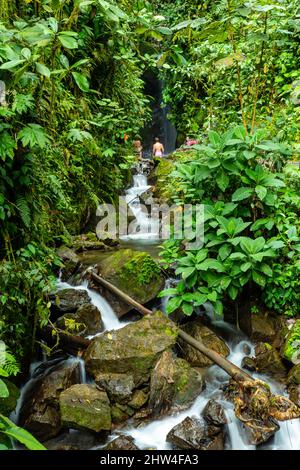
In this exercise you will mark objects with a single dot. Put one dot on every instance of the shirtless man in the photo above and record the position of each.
(158, 148)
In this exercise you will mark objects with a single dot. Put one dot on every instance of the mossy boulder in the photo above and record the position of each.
(208, 338)
(164, 187)
(194, 433)
(294, 375)
(119, 387)
(88, 241)
(8, 405)
(133, 272)
(40, 408)
(133, 349)
(85, 321)
(68, 300)
(268, 360)
(85, 407)
(174, 384)
(291, 346)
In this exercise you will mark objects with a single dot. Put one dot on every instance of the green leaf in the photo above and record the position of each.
(19, 434)
(225, 251)
(265, 268)
(173, 304)
(7, 146)
(261, 191)
(222, 180)
(258, 278)
(187, 309)
(241, 194)
(218, 306)
(246, 266)
(4, 393)
(233, 292)
(166, 292)
(42, 69)
(81, 81)
(199, 299)
(68, 41)
(214, 138)
(33, 134)
(12, 64)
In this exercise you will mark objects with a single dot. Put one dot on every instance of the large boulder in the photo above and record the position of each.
(133, 272)
(208, 338)
(174, 384)
(258, 327)
(122, 443)
(291, 346)
(193, 433)
(68, 300)
(40, 408)
(214, 414)
(119, 387)
(268, 360)
(294, 375)
(87, 319)
(133, 349)
(85, 407)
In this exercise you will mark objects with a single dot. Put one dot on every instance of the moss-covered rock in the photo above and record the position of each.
(40, 408)
(85, 321)
(88, 241)
(294, 375)
(133, 349)
(68, 300)
(174, 384)
(85, 407)
(120, 413)
(268, 360)
(291, 347)
(208, 338)
(164, 187)
(119, 387)
(133, 272)
(8, 405)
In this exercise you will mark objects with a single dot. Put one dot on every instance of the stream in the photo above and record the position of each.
(153, 434)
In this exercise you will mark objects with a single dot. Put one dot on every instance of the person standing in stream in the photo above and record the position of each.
(158, 148)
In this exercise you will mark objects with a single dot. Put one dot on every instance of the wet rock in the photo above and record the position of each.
(120, 413)
(213, 414)
(133, 349)
(40, 409)
(75, 440)
(87, 319)
(133, 272)
(209, 339)
(8, 404)
(119, 387)
(138, 400)
(193, 433)
(174, 384)
(294, 375)
(68, 300)
(291, 346)
(260, 433)
(85, 407)
(262, 328)
(248, 363)
(294, 393)
(268, 360)
(87, 242)
(71, 263)
(122, 443)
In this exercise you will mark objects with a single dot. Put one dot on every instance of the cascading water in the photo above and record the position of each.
(144, 228)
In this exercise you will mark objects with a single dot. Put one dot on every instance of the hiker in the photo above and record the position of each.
(138, 148)
(158, 148)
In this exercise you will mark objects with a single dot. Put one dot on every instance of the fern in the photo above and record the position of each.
(24, 210)
(8, 363)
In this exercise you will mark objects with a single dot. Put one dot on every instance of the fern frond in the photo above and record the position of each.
(24, 210)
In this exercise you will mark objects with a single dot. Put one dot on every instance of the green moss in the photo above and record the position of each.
(291, 347)
(142, 267)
